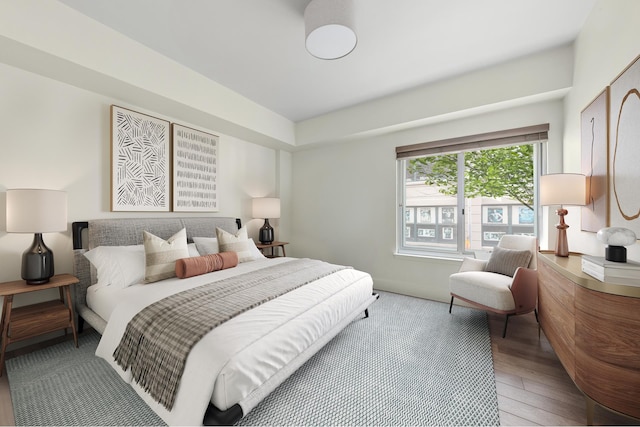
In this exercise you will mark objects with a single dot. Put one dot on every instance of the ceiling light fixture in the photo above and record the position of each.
(329, 28)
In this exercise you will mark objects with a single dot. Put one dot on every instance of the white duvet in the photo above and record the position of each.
(232, 361)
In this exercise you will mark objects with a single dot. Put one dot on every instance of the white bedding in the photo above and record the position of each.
(235, 358)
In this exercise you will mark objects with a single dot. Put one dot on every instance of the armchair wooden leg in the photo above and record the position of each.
(451, 304)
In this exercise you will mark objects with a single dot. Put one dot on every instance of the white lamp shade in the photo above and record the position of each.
(329, 28)
(36, 211)
(266, 207)
(563, 189)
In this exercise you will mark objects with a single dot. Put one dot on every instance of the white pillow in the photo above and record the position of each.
(193, 250)
(161, 255)
(257, 253)
(207, 245)
(239, 243)
(118, 266)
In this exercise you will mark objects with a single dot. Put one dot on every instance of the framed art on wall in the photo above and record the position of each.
(594, 136)
(139, 162)
(195, 170)
(624, 149)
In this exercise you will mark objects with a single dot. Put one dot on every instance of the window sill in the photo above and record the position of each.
(436, 256)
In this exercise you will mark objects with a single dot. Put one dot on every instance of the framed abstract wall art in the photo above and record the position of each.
(594, 137)
(624, 149)
(195, 170)
(139, 162)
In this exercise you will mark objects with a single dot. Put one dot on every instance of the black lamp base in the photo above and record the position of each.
(37, 262)
(616, 253)
(266, 233)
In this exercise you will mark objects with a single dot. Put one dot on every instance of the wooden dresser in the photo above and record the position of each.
(594, 328)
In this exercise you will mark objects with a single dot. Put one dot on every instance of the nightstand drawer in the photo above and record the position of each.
(37, 319)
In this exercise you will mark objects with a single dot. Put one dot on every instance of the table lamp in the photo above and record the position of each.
(562, 189)
(266, 207)
(36, 211)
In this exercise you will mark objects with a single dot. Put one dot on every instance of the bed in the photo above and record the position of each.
(262, 347)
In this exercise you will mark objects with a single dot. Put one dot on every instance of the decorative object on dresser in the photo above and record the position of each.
(504, 284)
(562, 189)
(266, 207)
(616, 238)
(329, 28)
(623, 273)
(36, 319)
(592, 327)
(36, 211)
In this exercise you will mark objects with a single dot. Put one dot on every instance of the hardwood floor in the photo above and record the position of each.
(533, 387)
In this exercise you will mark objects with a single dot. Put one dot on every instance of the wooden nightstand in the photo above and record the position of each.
(36, 319)
(272, 245)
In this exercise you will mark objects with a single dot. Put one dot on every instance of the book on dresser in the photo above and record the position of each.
(622, 273)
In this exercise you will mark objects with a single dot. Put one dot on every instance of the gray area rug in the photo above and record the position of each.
(409, 363)
(64, 385)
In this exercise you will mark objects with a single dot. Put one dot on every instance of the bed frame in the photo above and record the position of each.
(128, 231)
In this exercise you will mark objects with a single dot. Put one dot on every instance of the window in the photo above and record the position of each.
(462, 195)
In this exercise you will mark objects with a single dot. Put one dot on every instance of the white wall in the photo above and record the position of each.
(544, 75)
(608, 42)
(345, 199)
(52, 39)
(57, 136)
(59, 74)
(345, 194)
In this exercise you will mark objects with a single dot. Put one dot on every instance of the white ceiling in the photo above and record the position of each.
(256, 47)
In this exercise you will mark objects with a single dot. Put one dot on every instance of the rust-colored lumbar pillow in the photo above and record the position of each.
(194, 266)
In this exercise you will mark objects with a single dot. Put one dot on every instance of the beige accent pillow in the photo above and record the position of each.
(507, 261)
(161, 255)
(240, 243)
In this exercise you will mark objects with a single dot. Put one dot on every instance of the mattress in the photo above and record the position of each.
(230, 364)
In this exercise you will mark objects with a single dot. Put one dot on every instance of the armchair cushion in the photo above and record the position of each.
(507, 261)
(473, 264)
(482, 287)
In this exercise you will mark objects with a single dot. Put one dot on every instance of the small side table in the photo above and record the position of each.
(273, 245)
(36, 319)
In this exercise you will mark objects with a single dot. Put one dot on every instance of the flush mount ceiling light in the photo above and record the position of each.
(329, 28)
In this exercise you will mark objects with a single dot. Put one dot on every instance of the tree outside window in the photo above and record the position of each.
(498, 197)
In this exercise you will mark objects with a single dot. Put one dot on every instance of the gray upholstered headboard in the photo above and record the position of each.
(125, 232)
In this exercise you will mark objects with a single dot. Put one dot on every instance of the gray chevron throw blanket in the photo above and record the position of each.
(158, 339)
